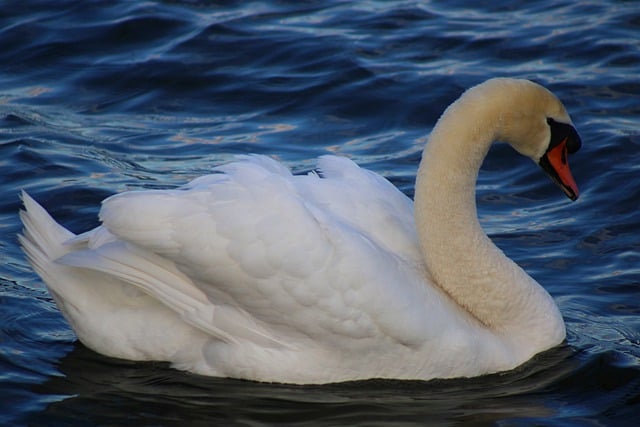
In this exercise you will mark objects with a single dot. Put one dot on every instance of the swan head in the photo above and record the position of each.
(564, 140)
(537, 125)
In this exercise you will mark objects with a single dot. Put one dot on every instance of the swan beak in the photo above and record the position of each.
(556, 164)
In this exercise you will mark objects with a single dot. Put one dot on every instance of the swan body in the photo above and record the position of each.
(252, 272)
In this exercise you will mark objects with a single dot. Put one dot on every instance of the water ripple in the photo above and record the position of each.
(97, 98)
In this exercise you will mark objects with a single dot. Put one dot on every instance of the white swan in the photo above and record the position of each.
(254, 273)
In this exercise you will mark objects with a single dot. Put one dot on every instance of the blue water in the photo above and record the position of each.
(101, 97)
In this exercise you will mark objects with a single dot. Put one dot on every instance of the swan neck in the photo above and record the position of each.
(459, 256)
(446, 181)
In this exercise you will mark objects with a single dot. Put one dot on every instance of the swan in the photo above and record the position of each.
(254, 273)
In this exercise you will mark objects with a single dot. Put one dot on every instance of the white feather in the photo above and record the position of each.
(252, 272)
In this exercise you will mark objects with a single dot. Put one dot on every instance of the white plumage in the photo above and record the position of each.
(252, 272)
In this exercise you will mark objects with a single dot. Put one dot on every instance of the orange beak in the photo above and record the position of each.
(556, 164)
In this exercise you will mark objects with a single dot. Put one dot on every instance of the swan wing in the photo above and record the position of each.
(297, 255)
(367, 202)
(159, 278)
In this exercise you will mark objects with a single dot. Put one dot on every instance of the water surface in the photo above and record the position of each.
(102, 97)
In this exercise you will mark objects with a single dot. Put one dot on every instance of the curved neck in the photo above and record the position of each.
(460, 257)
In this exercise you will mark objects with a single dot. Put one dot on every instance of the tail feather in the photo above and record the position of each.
(42, 238)
(95, 289)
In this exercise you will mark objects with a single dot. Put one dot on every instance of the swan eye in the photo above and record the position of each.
(563, 133)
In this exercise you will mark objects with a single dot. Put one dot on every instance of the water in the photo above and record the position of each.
(102, 97)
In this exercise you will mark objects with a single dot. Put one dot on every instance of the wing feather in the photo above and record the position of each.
(159, 278)
(257, 237)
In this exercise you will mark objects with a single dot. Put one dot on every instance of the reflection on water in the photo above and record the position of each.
(106, 390)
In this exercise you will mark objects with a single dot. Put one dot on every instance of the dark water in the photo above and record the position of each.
(101, 97)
